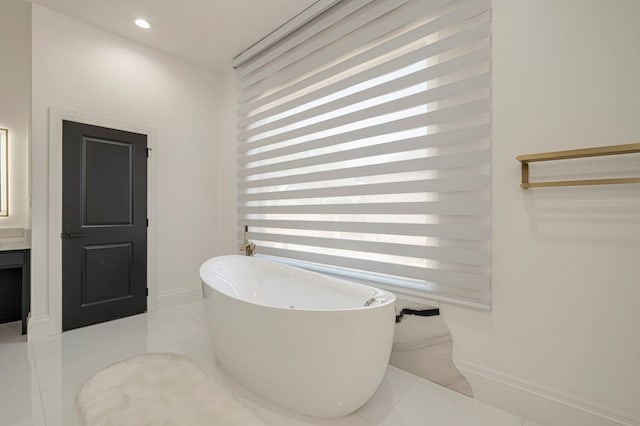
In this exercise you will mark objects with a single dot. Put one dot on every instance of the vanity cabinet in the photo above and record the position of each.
(15, 286)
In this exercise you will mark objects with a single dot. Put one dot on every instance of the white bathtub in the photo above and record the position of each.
(303, 340)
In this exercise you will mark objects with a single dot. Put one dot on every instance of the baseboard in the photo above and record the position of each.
(38, 328)
(179, 297)
(539, 403)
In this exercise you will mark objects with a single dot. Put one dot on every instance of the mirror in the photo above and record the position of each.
(4, 141)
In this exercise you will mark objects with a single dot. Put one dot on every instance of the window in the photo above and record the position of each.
(364, 146)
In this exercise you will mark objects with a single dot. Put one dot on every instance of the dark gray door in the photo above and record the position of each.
(104, 224)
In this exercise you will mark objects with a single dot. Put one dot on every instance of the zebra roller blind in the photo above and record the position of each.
(364, 146)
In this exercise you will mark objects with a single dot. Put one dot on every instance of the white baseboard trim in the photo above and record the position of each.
(564, 406)
(38, 328)
(179, 297)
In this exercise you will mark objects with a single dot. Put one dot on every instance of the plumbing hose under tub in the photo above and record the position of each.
(420, 313)
(403, 312)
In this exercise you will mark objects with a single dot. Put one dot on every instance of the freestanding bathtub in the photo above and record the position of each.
(301, 339)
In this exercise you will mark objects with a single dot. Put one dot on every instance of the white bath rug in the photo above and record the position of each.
(159, 390)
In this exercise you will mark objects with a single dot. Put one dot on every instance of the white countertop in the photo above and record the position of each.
(7, 244)
(15, 239)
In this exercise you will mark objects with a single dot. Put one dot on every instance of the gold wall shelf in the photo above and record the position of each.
(576, 153)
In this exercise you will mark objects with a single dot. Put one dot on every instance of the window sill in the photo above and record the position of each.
(401, 289)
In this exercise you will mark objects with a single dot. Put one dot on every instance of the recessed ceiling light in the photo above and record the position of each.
(142, 23)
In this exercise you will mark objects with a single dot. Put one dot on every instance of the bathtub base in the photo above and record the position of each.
(317, 362)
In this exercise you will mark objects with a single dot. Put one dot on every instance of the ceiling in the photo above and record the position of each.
(207, 32)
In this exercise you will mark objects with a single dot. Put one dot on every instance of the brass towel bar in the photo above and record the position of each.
(576, 153)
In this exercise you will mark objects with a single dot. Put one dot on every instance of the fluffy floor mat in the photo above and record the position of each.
(159, 390)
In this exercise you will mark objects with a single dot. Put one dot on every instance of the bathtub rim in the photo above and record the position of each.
(378, 292)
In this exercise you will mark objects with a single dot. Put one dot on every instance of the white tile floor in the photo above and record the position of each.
(39, 380)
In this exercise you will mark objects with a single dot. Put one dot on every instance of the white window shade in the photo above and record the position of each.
(364, 146)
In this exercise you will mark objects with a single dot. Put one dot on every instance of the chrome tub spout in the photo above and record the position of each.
(248, 247)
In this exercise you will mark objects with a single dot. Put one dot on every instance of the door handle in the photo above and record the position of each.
(72, 235)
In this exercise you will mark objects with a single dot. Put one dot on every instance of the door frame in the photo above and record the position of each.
(56, 117)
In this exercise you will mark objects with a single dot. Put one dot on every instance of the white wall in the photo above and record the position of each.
(81, 68)
(566, 262)
(561, 344)
(15, 104)
(227, 168)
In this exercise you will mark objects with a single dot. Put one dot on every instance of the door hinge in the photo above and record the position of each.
(148, 151)
(147, 222)
(147, 291)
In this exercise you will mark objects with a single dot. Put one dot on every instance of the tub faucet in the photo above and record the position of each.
(248, 247)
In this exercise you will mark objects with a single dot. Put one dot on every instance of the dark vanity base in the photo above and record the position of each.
(15, 288)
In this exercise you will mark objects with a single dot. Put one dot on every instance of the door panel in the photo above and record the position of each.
(104, 238)
(107, 274)
(108, 182)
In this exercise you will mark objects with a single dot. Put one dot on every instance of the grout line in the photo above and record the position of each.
(38, 384)
(35, 364)
(415, 383)
(369, 422)
(189, 313)
(44, 412)
(393, 405)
